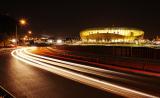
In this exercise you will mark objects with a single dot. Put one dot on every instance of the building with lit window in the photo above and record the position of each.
(111, 35)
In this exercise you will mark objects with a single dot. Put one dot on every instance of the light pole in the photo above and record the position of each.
(29, 34)
(21, 22)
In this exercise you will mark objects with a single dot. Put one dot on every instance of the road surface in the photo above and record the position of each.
(25, 74)
(26, 81)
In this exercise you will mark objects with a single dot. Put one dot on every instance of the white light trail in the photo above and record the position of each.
(79, 67)
(103, 85)
(51, 60)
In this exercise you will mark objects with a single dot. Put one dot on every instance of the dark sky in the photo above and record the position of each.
(71, 17)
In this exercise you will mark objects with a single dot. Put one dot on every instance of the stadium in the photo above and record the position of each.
(111, 35)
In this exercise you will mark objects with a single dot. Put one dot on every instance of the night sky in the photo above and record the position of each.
(71, 17)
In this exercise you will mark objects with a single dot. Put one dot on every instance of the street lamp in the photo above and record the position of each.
(21, 22)
(13, 40)
(29, 32)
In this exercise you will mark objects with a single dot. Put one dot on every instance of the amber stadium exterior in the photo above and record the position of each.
(111, 35)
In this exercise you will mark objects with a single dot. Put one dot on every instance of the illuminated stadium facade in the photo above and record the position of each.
(111, 35)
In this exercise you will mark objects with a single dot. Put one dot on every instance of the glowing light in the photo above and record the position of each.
(59, 41)
(30, 32)
(50, 41)
(100, 84)
(24, 38)
(22, 21)
(13, 41)
(31, 48)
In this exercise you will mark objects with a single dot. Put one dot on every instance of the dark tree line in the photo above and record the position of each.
(7, 27)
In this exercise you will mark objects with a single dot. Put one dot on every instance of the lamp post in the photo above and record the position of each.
(29, 32)
(22, 22)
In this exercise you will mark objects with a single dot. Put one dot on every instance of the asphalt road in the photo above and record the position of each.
(35, 76)
(25, 81)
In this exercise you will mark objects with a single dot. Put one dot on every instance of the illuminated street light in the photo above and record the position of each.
(59, 41)
(29, 36)
(30, 32)
(24, 38)
(13, 41)
(22, 22)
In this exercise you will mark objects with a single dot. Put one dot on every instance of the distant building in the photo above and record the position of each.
(111, 35)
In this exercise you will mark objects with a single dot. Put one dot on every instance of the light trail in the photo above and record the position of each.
(82, 68)
(78, 67)
(103, 85)
(143, 72)
(116, 75)
(70, 63)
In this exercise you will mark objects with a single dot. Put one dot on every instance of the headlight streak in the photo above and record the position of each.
(114, 74)
(70, 63)
(86, 69)
(79, 67)
(103, 85)
(108, 66)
